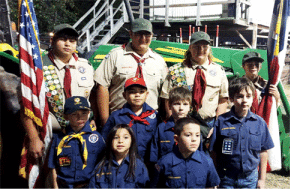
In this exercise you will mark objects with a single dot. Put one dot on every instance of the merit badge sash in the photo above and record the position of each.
(178, 77)
(54, 91)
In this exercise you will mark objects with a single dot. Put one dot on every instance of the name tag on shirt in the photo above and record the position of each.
(227, 146)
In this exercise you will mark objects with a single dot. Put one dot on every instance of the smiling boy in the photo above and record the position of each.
(240, 141)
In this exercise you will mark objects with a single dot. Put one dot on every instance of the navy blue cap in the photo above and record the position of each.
(76, 103)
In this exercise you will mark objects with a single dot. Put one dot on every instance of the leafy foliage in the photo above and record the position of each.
(53, 12)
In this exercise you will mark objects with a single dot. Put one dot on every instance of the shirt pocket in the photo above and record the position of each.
(255, 139)
(213, 89)
(201, 181)
(65, 158)
(153, 78)
(174, 182)
(126, 71)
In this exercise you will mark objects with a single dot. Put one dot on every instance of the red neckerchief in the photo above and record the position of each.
(198, 88)
(141, 118)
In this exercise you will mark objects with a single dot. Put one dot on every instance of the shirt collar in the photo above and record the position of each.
(60, 65)
(128, 50)
(232, 115)
(178, 158)
(125, 160)
(170, 123)
(127, 109)
(203, 66)
(86, 128)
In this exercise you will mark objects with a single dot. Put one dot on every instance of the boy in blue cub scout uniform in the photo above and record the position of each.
(137, 114)
(240, 141)
(75, 152)
(180, 100)
(186, 166)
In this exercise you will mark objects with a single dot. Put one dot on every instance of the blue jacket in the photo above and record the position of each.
(115, 178)
(238, 143)
(69, 162)
(173, 171)
(143, 133)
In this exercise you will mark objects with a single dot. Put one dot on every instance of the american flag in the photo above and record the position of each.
(33, 87)
(276, 51)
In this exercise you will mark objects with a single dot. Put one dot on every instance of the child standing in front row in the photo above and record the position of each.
(75, 152)
(185, 166)
(240, 141)
(137, 114)
(120, 167)
(180, 99)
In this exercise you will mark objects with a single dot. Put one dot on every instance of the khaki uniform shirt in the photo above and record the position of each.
(260, 84)
(216, 88)
(119, 65)
(81, 83)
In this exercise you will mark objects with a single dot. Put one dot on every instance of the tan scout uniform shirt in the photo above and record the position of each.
(217, 87)
(81, 83)
(119, 65)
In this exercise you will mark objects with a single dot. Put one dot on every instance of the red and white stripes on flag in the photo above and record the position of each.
(276, 50)
(33, 88)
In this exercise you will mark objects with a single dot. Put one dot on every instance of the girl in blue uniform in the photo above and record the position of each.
(121, 166)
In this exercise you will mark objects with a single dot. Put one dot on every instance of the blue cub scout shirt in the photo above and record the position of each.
(143, 133)
(69, 162)
(163, 140)
(173, 171)
(238, 143)
(115, 178)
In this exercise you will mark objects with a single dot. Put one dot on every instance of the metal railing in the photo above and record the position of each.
(103, 20)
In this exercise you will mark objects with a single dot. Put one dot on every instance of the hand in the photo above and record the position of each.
(261, 184)
(36, 148)
(274, 92)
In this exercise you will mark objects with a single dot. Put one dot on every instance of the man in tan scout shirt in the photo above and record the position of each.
(122, 63)
(211, 101)
(65, 75)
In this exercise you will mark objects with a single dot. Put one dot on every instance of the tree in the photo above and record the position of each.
(53, 12)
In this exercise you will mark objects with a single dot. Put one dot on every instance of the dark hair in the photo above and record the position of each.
(180, 94)
(109, 155)
(66, 34)
(238, 84)
(182, 122)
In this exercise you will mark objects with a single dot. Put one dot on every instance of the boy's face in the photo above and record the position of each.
(252, 68)
(135, 95)
(180, 109)
(242, 102)
(121, 141)
(189, 139)
(78, 119)
(64, 47)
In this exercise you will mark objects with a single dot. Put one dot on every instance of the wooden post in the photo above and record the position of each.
(180, 34)
(254, 36)
(167, 24)
(190, 31)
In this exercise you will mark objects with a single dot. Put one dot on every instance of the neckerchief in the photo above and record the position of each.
(140, 118)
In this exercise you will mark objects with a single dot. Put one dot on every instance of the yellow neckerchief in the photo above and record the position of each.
(65, 141)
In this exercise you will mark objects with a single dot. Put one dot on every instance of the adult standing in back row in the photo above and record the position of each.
(130, 60)
(206, 80)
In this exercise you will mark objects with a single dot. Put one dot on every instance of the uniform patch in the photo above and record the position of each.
(106, 56)
(227, 146)
(81, 69)
(83, 78)
(64, 161)
(213, 72)
(153, 116)
(93, 138)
